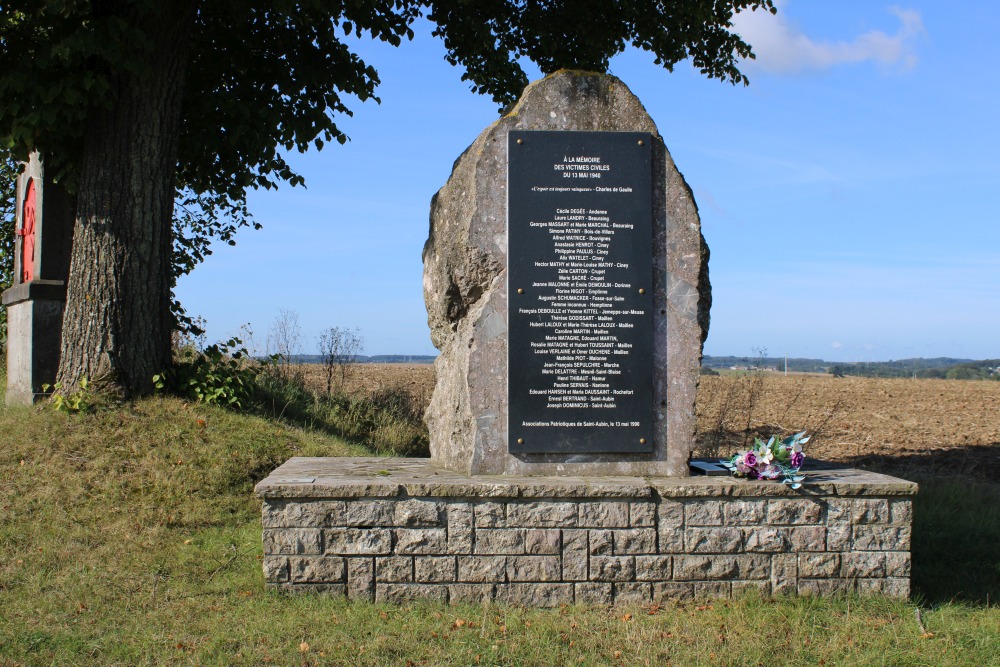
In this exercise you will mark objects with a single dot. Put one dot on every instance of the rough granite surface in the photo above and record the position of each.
(465, 261)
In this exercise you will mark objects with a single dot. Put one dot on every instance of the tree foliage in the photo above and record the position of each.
(8, 175)
(489, 38)
(258, 79)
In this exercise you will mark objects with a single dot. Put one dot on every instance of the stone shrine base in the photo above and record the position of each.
(398, 529)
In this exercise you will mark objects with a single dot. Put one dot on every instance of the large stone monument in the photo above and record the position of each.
(44, 228)
(596, 203)
(567, 289)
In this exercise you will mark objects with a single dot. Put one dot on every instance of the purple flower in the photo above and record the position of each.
(797, 459)
(750, 459)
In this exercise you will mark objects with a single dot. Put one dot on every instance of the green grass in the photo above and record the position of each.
(130, 536)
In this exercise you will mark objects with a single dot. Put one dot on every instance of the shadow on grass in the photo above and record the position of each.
(387, 422)
(956, 529)
(956, 540)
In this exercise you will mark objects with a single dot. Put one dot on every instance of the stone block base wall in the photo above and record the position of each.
(393, 530)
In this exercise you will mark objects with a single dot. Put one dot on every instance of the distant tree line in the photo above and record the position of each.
(795, 365)
(943, 368)
(986, 369)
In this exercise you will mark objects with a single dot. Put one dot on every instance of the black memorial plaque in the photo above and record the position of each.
(580, 270)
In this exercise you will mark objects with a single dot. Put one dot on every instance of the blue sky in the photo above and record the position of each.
(850, 195)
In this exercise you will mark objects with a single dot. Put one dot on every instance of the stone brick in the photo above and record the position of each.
(838, 538)
(866, 587)
(537, 595)
(601, 543)
(358, 541)
(634, 541)
(542, 515)
(482, 568)
(592, 593)
(744, 566)
(633, 592)
(704, 512)
(328, 590)
(745, 512)
(692, 568)
(293, 541)
(471, 593)
(395, 569)
(541, 541)
(901, 512)
(421, 540)
(797, 511)
(652, 568)
(712, 589)
(642, 515)
(839, 510)
(713, 540)
(356, 513)
(460, 520)
(318, 569)
(857, 565)
(534, 568)
(881, 538)
(499, 541)
(490, 515)
(396, 593)
(825, 586)
(669, 513)
(672, 590)
(753, 566)
(819, 565)
(286, 514)
(784, 574)
(896, 587)
(870, 510)
(360, 578)
(671, 540)
(766, 540)
(745, 588)
(807, 538)
(574, 555)
(275, 569)
(434, 569)
(612, 568)
(897, 564)
(603, 515)
(414, 513)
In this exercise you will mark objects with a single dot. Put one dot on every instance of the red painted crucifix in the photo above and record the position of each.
(27, 234)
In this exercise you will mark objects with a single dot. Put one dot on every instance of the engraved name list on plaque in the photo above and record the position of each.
(580, 322)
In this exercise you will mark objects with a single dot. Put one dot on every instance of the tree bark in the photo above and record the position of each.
(116, 325)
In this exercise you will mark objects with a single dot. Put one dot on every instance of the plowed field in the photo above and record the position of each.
(944, 426)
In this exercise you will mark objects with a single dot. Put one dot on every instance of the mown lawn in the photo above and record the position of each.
(130, 536)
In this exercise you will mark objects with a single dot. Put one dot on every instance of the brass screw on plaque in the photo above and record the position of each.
(520, 141)
(520, 441)
(640, 142)
(520, 290)
(642, 291)
(642, 441)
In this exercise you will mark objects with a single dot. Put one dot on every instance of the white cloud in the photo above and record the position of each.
(782, 48)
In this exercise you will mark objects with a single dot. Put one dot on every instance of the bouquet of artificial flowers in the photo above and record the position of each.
(771, 460)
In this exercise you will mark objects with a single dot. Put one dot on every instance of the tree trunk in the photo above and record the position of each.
(116, 325)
